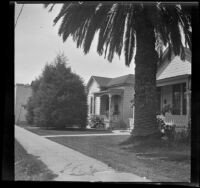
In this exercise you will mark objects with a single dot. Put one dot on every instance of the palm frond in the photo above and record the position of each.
(62, 11)
(95, 24)
(75, 21)
(117, 31)
(117, 24)
(104, 31)
(129, 43)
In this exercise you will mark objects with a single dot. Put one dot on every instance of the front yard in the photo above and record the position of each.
(28, 167)
(67, 131)
(156, 164)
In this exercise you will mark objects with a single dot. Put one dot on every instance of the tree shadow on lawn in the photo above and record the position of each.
(158, 149)
(71, 129)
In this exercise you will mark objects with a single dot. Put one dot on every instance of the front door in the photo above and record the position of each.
(116, 108)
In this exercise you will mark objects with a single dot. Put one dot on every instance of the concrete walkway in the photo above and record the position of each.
(73, 135)
(69, 164)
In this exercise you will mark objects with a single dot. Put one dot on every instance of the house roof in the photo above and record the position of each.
(102, 81)
(168, 69)
(175, 67)
(109, 82)
(127, 79)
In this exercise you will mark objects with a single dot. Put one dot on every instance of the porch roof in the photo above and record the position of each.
(175, 68)
(109, 91)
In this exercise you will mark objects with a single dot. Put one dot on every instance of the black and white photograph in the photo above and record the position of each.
(102, 91)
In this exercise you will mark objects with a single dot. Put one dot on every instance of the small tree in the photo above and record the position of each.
(59, 97)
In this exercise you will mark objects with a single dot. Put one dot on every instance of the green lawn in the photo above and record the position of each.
(28, 167)
(69, 131)
(156, 164)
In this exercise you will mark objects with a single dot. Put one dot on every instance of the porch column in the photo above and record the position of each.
(109, 113)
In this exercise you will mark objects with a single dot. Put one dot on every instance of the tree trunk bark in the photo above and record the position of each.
(145, 81)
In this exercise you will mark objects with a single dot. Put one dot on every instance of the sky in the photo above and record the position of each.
(37, 42)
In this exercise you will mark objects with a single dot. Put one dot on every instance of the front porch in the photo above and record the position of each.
(174, 102)
(109, 107)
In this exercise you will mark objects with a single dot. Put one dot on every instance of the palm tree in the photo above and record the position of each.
(133, 27)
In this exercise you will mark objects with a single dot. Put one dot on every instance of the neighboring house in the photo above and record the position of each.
(174, 88)
(22, 94)
(111, 98)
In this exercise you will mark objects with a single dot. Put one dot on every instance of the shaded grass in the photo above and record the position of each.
(66, 131)
(28, 167)
(159, 164)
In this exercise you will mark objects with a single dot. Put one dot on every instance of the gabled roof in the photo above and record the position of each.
(175, 67)
(166, 54)
(168, 69)
(127, 79)
(109, 82)
(102, 81)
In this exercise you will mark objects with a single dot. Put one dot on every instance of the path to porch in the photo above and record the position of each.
(69, 164)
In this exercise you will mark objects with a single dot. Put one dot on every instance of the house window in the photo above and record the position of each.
(184, 97)
(107, 103)
(91, 103)
(116, 109)
(177, 99)
(94, 106)
(116, 105)
(158, 99)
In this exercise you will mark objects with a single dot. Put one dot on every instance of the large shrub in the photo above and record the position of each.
(59, 99)
(172, 136)
(97, 122)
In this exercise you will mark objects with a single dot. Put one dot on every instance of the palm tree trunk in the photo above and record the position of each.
(145, 81)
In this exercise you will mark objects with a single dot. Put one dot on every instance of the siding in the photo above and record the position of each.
(127, 109)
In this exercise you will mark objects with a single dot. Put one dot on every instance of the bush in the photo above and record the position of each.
(184, 136)
(168, 131)
(59, 99)
(97, 122)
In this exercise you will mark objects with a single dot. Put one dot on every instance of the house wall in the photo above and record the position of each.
(23, 92)
(120, 104)
(103, 100)
(94, 87)
(127, 109)
(167, 93)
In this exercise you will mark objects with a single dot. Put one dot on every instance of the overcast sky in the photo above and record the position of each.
(37, 42)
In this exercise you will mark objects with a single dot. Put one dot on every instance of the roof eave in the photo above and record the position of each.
(170, 79)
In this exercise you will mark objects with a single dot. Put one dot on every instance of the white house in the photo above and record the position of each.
(111, 98)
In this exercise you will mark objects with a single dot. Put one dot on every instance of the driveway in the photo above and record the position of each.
(69, 164)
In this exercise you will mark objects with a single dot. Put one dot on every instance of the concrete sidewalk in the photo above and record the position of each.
(69, 164)
(86, 135)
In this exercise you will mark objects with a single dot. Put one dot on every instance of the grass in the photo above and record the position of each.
(29, 168)
(66, 131)
(156, 164)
